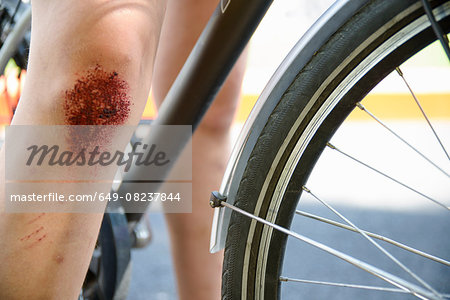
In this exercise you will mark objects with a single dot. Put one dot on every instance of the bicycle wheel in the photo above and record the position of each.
(368, 47)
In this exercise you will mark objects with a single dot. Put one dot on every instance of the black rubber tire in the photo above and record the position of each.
(371, 26)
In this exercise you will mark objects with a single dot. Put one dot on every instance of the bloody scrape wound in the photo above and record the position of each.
(97, 98)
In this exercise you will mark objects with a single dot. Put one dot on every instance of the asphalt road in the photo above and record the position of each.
(153, 277)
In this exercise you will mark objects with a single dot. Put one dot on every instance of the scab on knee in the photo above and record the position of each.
(98, 97)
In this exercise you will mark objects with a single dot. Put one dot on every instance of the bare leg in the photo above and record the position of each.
(68, 38)
(198, 271)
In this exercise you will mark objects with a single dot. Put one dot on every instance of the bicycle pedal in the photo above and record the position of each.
(142, 233)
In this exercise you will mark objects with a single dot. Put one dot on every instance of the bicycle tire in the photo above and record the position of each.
(361, 38)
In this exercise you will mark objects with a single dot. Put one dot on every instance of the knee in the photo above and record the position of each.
(219, 117)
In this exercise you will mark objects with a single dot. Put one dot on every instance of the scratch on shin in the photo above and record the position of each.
(37, 241)
(35, 232)
(36, 218)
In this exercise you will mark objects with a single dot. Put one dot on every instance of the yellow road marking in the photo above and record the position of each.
(385, 106)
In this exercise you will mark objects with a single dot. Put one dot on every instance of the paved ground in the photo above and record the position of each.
(153, 275)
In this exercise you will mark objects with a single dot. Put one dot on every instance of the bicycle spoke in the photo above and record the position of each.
(378, 246)
(387, 176)
(376, 236)
(364, 109)
(356, 286)
(348, 285)
(390, 278)
(399, 72)
(436, 28)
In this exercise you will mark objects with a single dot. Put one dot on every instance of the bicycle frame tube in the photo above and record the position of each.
(219, 46)
(14, 38)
